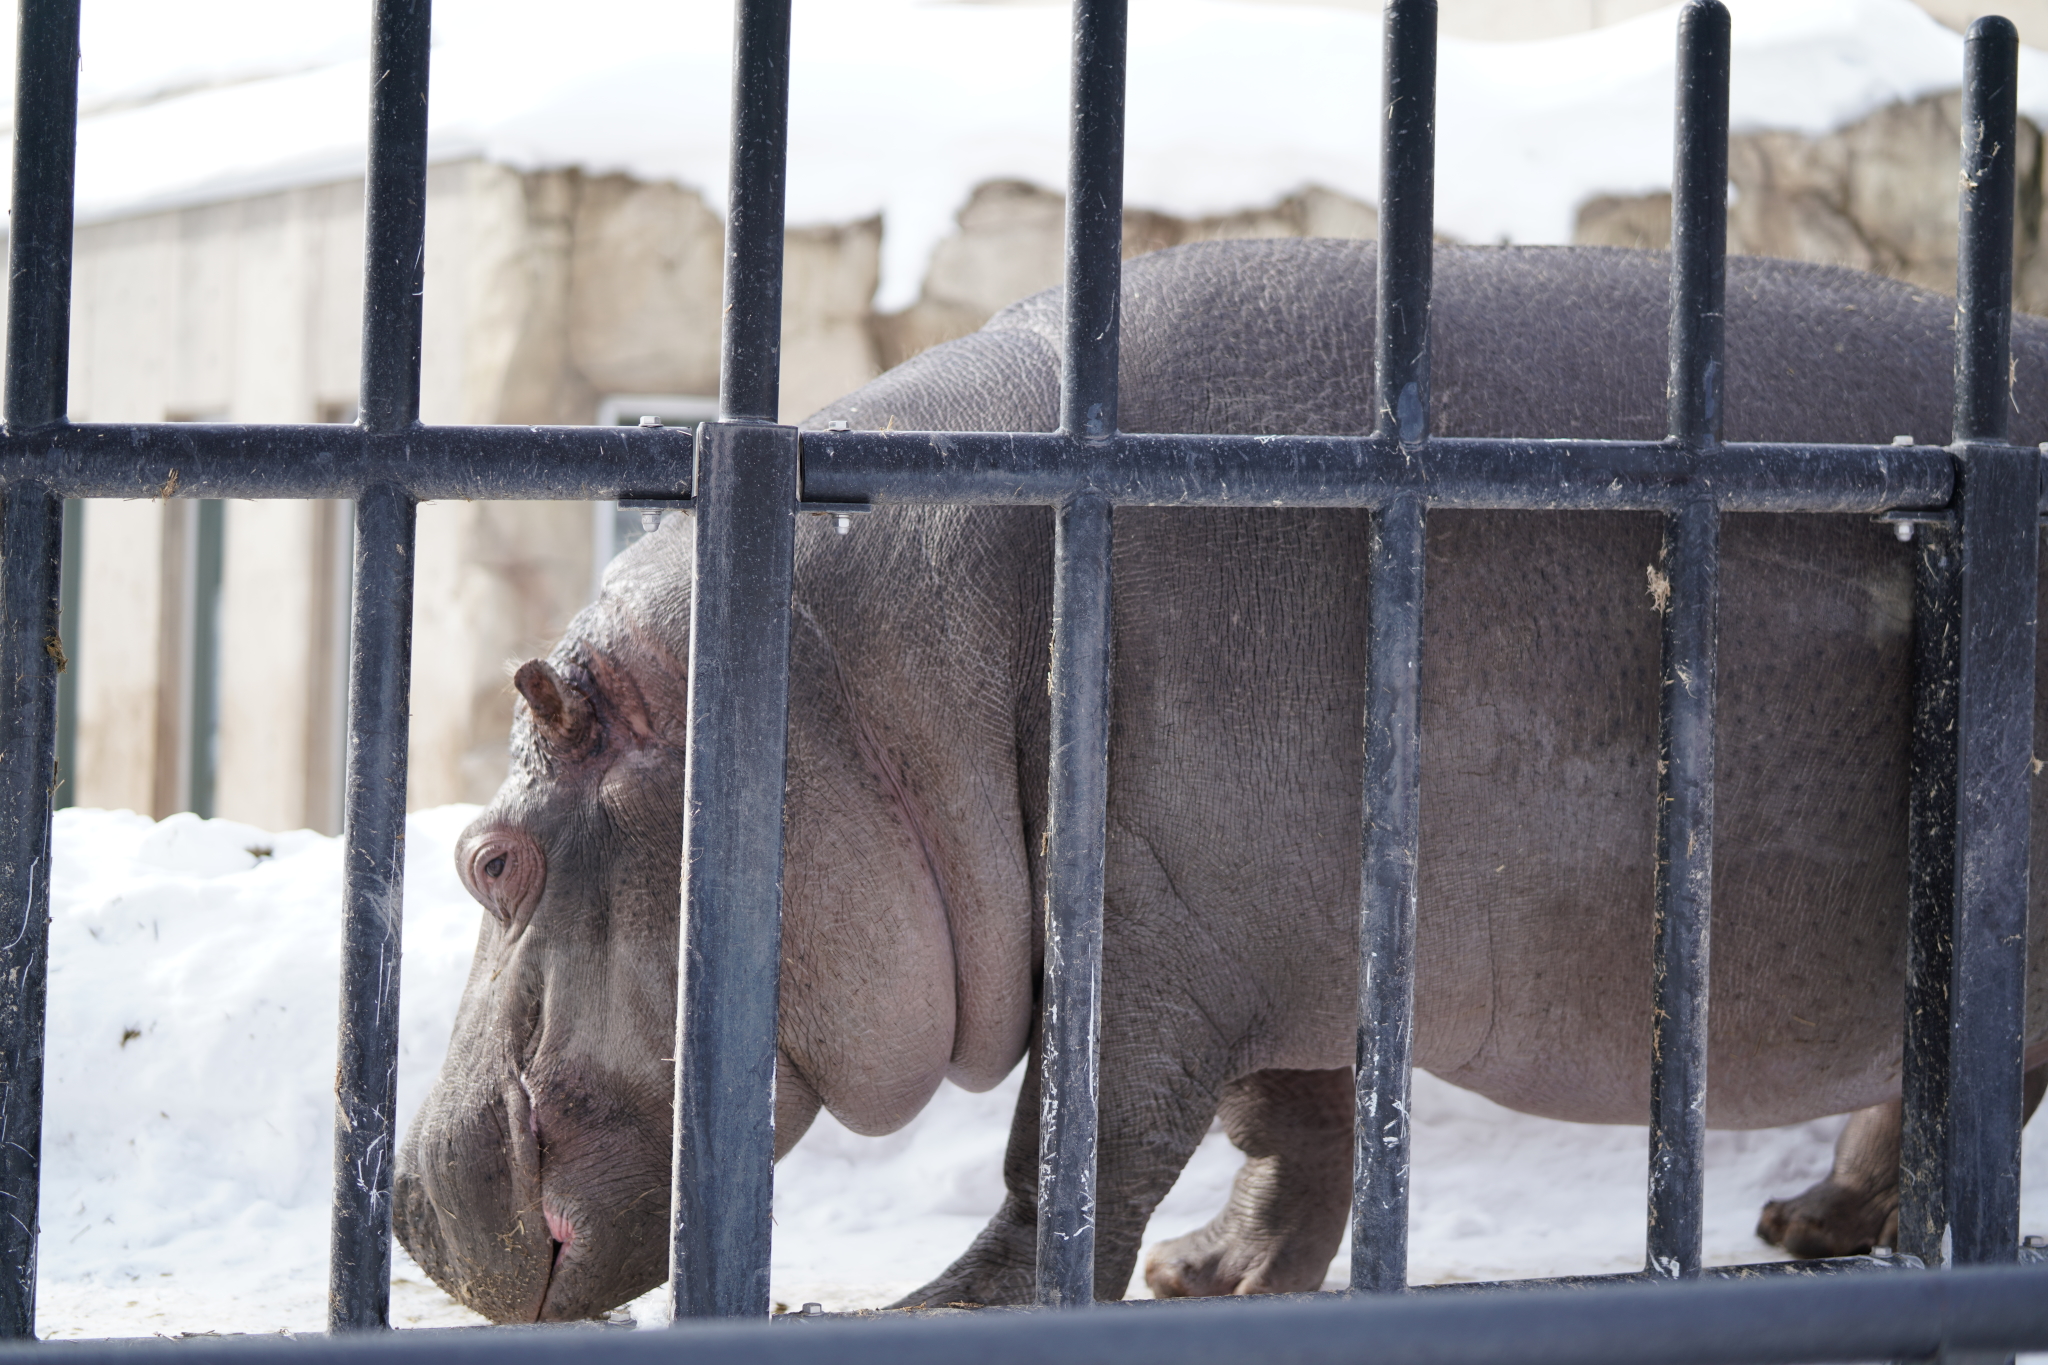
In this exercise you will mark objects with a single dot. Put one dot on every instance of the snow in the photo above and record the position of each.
(189, 1104)
(900, 107)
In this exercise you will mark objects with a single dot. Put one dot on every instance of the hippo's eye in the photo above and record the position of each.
(505, 870)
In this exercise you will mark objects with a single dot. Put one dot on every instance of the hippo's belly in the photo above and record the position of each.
(1539, 783)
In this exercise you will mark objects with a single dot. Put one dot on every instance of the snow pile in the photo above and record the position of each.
(191, 1057)
(189, 1110)
(900, 107)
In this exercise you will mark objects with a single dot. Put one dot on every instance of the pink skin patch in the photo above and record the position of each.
(560, 1228)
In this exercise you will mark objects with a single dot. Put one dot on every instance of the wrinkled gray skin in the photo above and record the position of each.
(534, 1182)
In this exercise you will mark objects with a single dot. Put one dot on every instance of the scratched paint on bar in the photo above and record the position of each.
(1681, 914)
(380, 678)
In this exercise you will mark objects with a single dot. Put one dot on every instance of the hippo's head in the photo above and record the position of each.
(534, 1182)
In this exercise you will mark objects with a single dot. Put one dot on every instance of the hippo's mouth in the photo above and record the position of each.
(562, 1239)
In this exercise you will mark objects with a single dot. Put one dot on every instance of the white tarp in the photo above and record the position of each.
(900, 107)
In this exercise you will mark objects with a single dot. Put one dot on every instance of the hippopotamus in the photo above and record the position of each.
(534, 1182)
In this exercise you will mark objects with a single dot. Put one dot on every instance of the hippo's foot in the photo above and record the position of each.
(1833, 1218)
(1226, 1258)
(1001, 1267)
(1857, 1206)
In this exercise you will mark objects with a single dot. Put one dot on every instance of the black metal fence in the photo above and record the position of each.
(745, 478)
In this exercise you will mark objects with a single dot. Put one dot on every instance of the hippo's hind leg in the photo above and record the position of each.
(1857, 1206)
(1290, 1201)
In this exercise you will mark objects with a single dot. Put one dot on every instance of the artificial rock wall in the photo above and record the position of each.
(1877, 195)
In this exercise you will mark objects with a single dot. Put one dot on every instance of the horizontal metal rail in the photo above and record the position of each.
(1368, 471)
(1754, 1322)
(216, 460)
(194, 460)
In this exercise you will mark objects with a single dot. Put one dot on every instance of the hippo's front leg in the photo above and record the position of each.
(1152, 1118)
(1857, 1206)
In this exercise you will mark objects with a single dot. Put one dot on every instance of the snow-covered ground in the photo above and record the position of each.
(191, 1056)
(900, 107)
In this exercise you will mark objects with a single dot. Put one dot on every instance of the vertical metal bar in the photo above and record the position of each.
(1689, 590)
(380, 680)
(1079, 774)
(728, 975)
(39, 224)
(32, 523)
(32, 534)
(1078, 806)
(732, 871)
(1699, 224)
(69, 621)
(1690, 568)
(1095, 221)
(209, 528)
(1387, 901)
(1984, 236)
(1387, 886)
(1962, 1204)
(1931, 858)
(373, 877)
(1407, 218)
(395, 215)
(750, 353)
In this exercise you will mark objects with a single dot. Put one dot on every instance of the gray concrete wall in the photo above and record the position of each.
(545, 293)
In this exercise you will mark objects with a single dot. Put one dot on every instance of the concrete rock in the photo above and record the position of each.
(1878, 195)
(1009, 245)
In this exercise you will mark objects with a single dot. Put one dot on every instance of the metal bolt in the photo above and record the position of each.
(814, 1310)
(1902, 440)
(650, 521)
(1903, 530)
(836, 424)
(842, 524)
(649, 420)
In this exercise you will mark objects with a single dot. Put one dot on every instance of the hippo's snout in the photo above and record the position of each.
(466, 1205)
(538, 1206)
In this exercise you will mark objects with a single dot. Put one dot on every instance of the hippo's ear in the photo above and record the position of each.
(561, 713)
